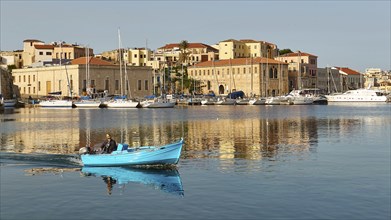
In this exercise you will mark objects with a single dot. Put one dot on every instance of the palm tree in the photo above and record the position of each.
(183, 57)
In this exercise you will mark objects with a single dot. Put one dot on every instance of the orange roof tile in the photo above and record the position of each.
(32, 40)
(238, 61)
(298, 54)
(44, 47)
(190, 45)
(348, 71)
(92, 60)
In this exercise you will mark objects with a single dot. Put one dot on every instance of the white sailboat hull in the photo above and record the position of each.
(121, 104)
(56, 104)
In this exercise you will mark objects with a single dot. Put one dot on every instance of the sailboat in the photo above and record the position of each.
(122, 101)
(86, 101)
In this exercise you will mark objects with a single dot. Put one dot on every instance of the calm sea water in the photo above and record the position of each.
(238, 162)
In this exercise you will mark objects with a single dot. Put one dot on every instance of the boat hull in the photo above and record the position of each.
(56, 104)
(121, 104)
(359, 95)
(167, 154)
(161, 105)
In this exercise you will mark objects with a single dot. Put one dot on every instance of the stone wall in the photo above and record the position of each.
(6, 84)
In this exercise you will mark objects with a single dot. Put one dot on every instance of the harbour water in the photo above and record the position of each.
(238, 162)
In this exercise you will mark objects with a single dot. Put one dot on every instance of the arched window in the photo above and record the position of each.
(270, 73)
(275, 73)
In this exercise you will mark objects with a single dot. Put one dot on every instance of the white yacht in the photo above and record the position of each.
(359, 95)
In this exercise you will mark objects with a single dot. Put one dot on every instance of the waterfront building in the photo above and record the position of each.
(104, 76)
(254, 76)
(302, 69)
(231, 49)
(330, 80)
(354, 79)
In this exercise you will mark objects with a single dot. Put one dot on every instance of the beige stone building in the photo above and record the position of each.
(231, 49)
(9, 58)
(197, 52)
(36, 51)
(254, 76)
(41, 81)
(302, 69)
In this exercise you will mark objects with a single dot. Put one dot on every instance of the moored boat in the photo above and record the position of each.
(146, 155)
(55, 103)
(359, 95)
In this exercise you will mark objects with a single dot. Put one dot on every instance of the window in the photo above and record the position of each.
(116, 84)
(139, 84)
(20, 78)
(244, 70)
(146, 85)
(255, 70)
(40, 53)
(34, 90)
(106, 84)
(39, 85)
(92, 83)
(127, 85)
(33, 78)
(59, 84)
(24, 78)
(49, 53)
(29, 79)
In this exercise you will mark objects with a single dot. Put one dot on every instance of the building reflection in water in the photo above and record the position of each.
(66, 131)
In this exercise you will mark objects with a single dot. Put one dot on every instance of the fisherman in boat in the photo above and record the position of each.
(109, 145)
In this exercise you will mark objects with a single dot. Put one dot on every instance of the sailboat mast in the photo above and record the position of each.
(120, 62)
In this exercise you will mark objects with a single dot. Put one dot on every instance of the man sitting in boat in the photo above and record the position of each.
(109, 145)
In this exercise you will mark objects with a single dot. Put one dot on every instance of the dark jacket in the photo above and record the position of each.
(109, 146)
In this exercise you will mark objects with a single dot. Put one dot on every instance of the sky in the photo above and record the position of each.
(354, 34)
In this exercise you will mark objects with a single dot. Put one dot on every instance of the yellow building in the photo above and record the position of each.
(231, 49)
(302, 69)
(254, 76)
(104, 76)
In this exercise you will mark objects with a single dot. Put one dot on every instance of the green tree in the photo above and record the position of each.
(285, 51)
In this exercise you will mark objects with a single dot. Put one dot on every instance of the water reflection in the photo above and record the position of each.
(222, 133)
(166, 180)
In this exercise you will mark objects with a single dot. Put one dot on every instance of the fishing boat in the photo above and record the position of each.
(166, 180)
(146, 155)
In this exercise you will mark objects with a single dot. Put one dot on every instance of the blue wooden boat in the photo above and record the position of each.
(148, 155)
(166, 180)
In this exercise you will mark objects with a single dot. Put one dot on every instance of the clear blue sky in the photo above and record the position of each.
(354, 34)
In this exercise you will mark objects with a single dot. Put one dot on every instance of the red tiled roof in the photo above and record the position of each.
(190, 45)
(92, 60)
(32, 40)
(44, 47)
(303, 54)
(238, 61)
(348, 71)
